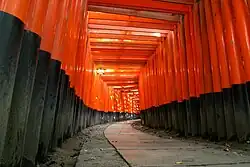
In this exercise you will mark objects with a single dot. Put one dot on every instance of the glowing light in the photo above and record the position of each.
(100, 71)
(109, 70)
(127, 40)
(157, 34)
(105, 40)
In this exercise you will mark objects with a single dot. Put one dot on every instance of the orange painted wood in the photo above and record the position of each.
(16, 8)
(189, 54)
(194, 54)
(242, 29)
(146, 4)
(162, 74)
(236, 70)
(208, 85)
(181, 49)
(37, 14)
(213, 48)
(130, 23)
(166, 72)
(199, 55)
(221, 50)
(50, 25)
(177, 67)
(171, 67)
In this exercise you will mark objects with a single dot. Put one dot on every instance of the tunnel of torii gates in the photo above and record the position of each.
(183, 65)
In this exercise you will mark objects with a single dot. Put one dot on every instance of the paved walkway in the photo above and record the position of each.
(141, 149)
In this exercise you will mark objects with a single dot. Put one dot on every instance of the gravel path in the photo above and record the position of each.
(97, 152)
(89, 148)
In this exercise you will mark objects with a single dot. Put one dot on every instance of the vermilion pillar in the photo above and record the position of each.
(213, 48)
(242, 30)
(183, 61)
(81, 51)
(224, 68)
(236, 61)
(184, 78)
(161, 73)
(65, 103)
(177, 66)
(38, 10)
(189, 57)
(216, 73)
(51, 91)
(199, 69)
(194, 105)
(241, 22)
(207, 97)
(194, 52)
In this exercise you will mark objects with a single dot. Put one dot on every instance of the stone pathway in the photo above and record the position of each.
(141, 149)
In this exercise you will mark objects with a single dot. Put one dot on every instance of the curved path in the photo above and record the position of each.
(141, 149)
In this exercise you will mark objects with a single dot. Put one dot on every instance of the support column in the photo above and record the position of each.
(36, 110)
(13, 15)
(237, 73)
(63, 82)
(48, 38)
(21, 99)
(49, 109)
(207, 97)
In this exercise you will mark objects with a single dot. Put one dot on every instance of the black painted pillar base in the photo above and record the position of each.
(220, 116)
(36, 108)
(63, 82)
(76, 117)
(175, 121)
(69, 111)
(165, 113)
(189, 118)
(49, 108)
(78, 128)
(13, 149)
(241, 111)
(185, 120)
(203, 117)
(147, 117)
(142, 115)
(229, 114)
(180, 110)
(154, 117)
(211, 116)
(11, 33)
(81, 118)
(161, 115)
(169, 111)
(86, 116)
(151, 118)
(66, 110)
(89, 117)
(194, 115)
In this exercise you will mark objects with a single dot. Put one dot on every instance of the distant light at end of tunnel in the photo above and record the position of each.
(100, 71)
